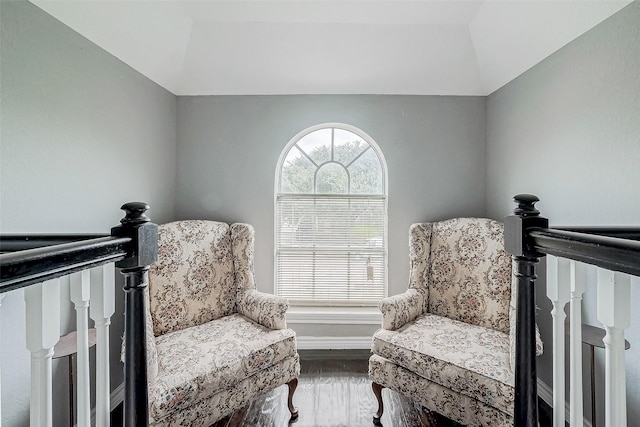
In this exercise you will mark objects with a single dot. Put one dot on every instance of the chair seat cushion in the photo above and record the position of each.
(472, 360)
(222, 403)
(455, 406)
(196, 362)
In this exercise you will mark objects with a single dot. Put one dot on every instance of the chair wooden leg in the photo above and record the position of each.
(377, 390)
(293, 384)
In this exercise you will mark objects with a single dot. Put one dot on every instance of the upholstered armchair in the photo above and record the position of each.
(448, 342)
(215, 343)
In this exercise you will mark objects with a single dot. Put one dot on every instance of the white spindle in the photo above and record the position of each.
(558, 291)
(101, 310)
(614, 306)
(79, 290)
(43, 331)
(578, 278)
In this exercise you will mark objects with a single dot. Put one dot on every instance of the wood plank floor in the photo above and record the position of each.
(333, 391)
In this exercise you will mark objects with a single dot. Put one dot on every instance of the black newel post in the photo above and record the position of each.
(519, 245)
(142, 253)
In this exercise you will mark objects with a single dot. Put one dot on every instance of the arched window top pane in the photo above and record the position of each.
(317, 145)
(332, 178)
(347, 146)
(332, 160)
(297, 173)
(366, 174)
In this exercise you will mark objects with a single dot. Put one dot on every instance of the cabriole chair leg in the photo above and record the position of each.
(293, 384)
(377, 391)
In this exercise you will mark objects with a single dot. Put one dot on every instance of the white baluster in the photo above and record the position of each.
(79, 290)
(578, 277)
(43, 331)
(614, 307)
(558, 291)
(101, 310)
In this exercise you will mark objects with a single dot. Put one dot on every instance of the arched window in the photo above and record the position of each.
(331, 218)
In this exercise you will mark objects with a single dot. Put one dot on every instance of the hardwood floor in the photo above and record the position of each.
(333, 391)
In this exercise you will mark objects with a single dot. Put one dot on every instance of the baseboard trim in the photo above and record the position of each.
(117, 396)
(333, 343)
(546, 393)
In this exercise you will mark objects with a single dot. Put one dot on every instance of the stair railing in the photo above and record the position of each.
(615, 252)
(37, 263)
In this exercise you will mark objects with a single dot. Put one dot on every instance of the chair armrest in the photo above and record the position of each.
(266, 309)
(401, 309)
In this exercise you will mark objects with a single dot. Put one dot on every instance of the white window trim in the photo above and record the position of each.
(335, 315)
(385, 184)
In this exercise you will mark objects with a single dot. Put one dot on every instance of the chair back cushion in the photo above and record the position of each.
(470, 276)
(193, 280)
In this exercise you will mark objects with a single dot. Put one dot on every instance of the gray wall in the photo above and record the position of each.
(82, 133)
(568, 130)
(228, 150)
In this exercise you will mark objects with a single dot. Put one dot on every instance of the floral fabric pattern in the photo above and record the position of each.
(214, 341)
(266, 309)
(419, 255)
(199, 361)
(400, 309)
(193, 280)
(403, 308)
(456, 406)
(449, 340)
(208, 410)
(471, 360)
(470, 272)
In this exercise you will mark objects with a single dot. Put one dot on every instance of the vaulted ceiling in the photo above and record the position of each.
(417, 47)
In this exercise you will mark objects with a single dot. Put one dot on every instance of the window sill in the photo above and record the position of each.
(335, 315)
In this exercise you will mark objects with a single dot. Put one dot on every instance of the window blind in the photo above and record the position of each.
(331, 249)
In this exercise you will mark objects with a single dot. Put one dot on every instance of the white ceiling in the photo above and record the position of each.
(250, 47)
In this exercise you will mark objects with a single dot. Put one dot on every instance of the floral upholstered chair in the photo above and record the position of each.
(448, 342)
(216, 342)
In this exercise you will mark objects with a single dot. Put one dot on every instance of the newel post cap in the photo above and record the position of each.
(517, 226)
(143, 250)
(525, 205)
(135, 213)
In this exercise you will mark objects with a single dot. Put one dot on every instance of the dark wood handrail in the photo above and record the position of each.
(25, 267)
(21, 242)
(133, 247)
(621, 232)
(613, 253)
(528, 238)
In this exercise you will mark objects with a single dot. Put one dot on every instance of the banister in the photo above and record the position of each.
(132, 246)
(135, 268)
(612, 253)
(20, 242)
(525, 258)
(528, 238)
(26, 267)
(632, 233)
